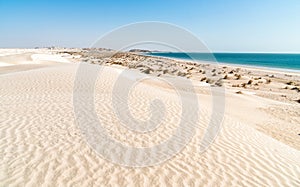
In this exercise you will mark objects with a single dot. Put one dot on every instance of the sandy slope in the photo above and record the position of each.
(42, 145)
(25, 59)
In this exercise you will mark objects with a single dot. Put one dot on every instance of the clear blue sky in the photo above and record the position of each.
(231, 25)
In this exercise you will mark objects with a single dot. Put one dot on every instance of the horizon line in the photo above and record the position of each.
(153, 50)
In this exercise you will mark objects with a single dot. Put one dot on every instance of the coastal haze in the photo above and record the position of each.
(127, 102)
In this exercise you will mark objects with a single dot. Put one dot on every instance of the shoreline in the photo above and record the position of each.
(271, 69)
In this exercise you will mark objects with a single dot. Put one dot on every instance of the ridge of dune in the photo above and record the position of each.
(16, 60)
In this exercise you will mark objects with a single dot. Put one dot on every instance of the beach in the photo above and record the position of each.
(258, 142)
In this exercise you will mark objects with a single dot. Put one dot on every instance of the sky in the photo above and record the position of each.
(229, 26)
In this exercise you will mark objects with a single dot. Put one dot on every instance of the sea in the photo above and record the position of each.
(267, 60)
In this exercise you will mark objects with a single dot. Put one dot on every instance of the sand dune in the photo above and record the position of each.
(25, 59)
(41, 144)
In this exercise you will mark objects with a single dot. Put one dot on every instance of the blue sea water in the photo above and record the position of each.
(269, 60)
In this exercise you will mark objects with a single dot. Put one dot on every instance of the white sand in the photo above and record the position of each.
(41, 145)
(5, 64)
(46, 57)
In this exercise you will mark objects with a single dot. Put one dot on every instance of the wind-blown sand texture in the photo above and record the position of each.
(41, 144)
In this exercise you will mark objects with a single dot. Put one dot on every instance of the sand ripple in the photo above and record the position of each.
(41, 144)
